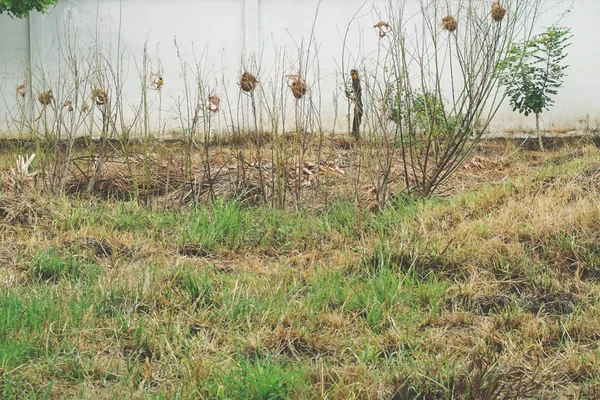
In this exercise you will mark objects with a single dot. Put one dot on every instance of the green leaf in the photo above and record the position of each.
(21, 8)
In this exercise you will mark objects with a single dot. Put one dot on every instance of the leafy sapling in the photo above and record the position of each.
(533, 72)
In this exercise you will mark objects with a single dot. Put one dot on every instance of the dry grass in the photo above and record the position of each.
(488, 291)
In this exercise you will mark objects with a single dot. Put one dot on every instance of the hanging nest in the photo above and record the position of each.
(21, 90)
(498, 12)
(69, 104)
(46, 98)
(85, 107)
(213, 103)
(100, 97)
(384, 28)
(449, 23)
(248, 82)
(297, 85)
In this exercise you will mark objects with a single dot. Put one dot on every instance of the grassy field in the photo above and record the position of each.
(488, 291)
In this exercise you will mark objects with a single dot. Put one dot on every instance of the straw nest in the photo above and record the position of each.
(46, 98)
(384, 28)
(498, 12)
(68, 104)
(449, 23)
(100, 97)
(248, 82)
(297, 85)
(213, 103)
(21, 90)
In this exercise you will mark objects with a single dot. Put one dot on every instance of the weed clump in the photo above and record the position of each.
(260, 378)
(52, 266)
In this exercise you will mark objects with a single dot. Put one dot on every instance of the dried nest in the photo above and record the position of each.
(248, 82)
(99, 96)
(213, 103)
(384, 28)
(449, 23)
(85, 107)
(21, 90)
(297, 85)
(69, 104)
(498, 12)
(299, 89)
(46, 98)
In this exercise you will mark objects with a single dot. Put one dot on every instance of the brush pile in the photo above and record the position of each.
(115, 178)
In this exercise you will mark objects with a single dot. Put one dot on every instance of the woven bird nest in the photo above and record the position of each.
(100, 97)
(46, 98)
(384, 28)
(21, 90)
(68, 104)
(248, 82)
(498, 12)
(213, 103)
(449, 23)
(297, 85)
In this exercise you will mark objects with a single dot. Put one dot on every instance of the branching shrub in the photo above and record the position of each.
(444, 71)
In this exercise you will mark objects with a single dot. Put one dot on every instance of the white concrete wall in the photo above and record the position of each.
(577, 105)
(14, 61)
(224, 37)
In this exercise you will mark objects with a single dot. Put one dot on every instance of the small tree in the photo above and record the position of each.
(21, 8)
(533, 72)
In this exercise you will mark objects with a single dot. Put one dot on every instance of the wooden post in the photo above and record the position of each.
(358, 104)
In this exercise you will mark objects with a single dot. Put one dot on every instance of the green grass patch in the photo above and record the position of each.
(53, 265)
(258, 379)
